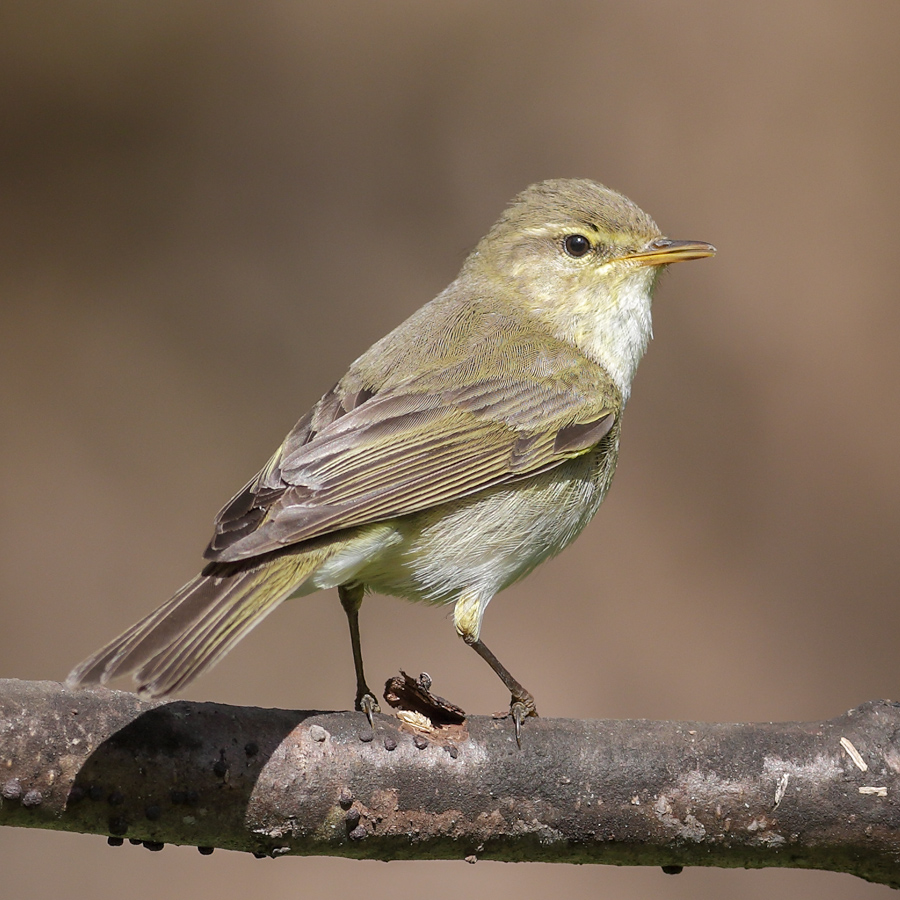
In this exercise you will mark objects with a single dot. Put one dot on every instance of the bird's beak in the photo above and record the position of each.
(662, 251)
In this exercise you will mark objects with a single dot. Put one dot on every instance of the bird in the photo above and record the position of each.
(474, 441)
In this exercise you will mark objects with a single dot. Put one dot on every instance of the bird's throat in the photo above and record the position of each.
(612, 328)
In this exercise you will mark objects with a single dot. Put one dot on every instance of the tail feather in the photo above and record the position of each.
(194, 651)
(194, 629)
(152, 636)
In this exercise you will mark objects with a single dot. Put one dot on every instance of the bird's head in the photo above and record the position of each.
(584, 260)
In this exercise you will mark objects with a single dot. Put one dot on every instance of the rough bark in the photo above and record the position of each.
(812, 795)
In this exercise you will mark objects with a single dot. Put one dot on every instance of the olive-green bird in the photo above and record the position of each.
(472, 443)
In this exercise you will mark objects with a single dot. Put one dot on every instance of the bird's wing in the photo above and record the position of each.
(364, 455)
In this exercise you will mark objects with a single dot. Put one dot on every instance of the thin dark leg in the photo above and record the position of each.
(351, 599)
(521, 704)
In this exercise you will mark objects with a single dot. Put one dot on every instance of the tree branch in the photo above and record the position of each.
(815, 795)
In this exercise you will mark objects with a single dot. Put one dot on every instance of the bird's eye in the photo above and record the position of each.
(576, 245)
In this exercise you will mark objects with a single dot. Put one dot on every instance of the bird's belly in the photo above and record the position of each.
(486, 542)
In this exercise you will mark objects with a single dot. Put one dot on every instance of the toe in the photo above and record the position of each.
(520, 711)
(369, 705)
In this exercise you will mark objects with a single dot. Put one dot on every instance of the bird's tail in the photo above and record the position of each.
(190, 633)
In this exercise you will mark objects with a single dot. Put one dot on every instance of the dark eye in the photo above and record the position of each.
(576, 245)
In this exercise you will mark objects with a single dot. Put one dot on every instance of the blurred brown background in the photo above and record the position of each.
(207, 210)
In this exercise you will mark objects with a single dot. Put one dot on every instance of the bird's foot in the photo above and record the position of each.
(366, 702)
(520, 708)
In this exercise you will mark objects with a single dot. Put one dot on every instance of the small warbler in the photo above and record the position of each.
(474, 441)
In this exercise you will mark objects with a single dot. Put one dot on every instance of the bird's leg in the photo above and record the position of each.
(351, 599)
(521, 704)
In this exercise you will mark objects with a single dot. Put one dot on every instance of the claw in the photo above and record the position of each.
(519, 714)
(520, 710)
(369, 705)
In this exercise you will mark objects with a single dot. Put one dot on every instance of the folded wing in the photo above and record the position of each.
(368, 453)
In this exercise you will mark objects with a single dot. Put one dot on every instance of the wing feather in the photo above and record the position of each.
(370, 452)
